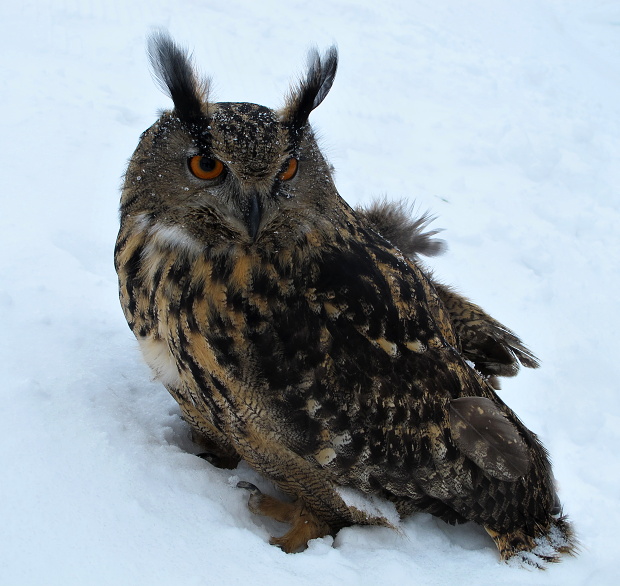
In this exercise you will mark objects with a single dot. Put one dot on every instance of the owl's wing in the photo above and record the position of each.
(491, 346)
(486, 436)
(419, 422)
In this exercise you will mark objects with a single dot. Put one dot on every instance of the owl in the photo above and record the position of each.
(307, 339)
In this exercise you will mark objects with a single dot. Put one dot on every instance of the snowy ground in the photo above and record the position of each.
(501, 117)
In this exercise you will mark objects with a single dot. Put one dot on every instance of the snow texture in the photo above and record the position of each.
(500, 117)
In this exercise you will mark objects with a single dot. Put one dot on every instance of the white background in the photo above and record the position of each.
(500, 117)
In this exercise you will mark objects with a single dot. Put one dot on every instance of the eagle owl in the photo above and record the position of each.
(306, 338)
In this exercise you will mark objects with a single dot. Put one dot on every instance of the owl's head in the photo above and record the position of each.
(229, 170)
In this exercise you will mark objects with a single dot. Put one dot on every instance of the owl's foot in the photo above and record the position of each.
(305, 525)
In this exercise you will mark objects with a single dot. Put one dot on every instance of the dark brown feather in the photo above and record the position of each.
(484, 434)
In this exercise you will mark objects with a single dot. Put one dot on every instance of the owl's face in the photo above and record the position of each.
(234, 171)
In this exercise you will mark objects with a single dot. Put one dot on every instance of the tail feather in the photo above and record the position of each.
(548, 546)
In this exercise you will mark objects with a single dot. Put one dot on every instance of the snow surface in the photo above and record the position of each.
(502, 118)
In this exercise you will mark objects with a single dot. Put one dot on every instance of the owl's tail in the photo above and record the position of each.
(547, 546)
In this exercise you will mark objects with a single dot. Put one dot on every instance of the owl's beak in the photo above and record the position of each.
(253, 215)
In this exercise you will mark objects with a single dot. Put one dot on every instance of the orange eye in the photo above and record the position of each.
(290, 171)
(205, 167)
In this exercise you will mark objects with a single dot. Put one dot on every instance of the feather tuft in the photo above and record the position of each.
(312, 90)
(174, 74)
(395, 221)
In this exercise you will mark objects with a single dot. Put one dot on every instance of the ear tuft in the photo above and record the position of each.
(173, 72)
(311, 91)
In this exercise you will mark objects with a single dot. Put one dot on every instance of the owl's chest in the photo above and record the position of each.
(280, 318)
(323, 343)
(260, 317)
(288, 313)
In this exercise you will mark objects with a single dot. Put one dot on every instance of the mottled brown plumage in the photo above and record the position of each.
(295, 337)
(492, 347)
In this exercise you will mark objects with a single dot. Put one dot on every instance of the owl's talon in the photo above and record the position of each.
(305, 525)
(249, 486)
(257, 499)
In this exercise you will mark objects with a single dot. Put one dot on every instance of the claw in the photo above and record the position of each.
(249, 486)
(257, 501)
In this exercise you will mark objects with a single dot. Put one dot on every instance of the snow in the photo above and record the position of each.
(502, 118)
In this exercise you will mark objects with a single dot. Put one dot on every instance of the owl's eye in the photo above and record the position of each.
(290, 171)
(206, 167)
